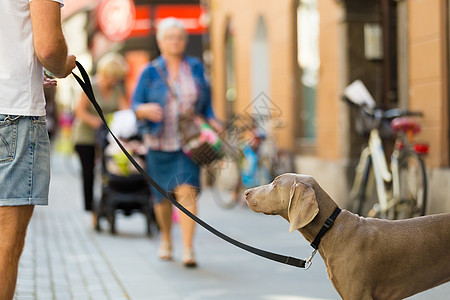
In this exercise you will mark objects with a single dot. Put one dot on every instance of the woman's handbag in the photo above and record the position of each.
(198, 139)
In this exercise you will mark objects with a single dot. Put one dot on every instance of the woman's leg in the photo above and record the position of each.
(163, 214)
(87, 158)
(187, 196)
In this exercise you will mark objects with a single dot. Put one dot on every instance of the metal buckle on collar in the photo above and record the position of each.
(328, 223)
(308, 261)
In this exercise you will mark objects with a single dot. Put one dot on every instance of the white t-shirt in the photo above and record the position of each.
(21, 73)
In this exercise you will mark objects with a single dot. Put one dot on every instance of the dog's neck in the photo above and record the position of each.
(326, 208)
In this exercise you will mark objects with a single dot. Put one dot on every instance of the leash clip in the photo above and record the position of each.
(308, 262)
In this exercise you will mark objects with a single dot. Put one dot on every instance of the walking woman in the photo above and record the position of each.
(169, 86)
(111, 69)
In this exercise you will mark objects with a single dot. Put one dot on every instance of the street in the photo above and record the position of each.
(64, 258)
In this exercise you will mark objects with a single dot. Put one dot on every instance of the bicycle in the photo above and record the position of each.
(253, 158)
(401, 190)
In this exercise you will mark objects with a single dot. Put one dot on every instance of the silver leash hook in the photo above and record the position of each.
(308, 261)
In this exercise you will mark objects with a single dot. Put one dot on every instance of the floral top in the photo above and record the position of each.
(195, 93)
(182, 98)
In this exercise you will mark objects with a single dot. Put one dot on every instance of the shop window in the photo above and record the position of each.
(230, 71)
(260, 76)
(308, 59)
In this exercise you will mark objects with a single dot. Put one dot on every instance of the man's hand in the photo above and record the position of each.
(70, 64)
(49, 81)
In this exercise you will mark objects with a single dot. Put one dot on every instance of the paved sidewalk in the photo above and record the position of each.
(64, 258)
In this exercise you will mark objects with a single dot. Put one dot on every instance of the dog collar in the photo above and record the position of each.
(327, 225)
(315, 244)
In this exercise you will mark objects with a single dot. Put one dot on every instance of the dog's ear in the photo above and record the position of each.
(303, 206)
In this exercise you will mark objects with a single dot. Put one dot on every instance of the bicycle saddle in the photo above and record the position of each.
(406, 124)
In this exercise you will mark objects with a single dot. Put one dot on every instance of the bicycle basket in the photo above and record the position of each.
(364, 123)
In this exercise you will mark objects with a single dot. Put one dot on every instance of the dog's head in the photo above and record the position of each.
(289, 195)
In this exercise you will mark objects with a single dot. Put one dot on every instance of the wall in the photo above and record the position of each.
(428, 74)
(428, 81)
(279, 20)
(330, 164)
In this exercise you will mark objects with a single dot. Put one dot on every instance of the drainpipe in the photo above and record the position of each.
(389, 67)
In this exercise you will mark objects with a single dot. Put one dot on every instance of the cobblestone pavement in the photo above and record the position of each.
(64, 258)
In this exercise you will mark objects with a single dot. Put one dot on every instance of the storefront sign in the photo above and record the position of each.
(116, 18)
(142, 25)
(193, 16)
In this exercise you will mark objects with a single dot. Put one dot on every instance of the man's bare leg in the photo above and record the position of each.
(14, 221)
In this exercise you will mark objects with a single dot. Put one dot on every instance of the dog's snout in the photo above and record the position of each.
(247, 192)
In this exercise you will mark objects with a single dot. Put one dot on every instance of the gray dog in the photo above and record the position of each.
(365, 258)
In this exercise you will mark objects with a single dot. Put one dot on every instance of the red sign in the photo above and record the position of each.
(193, 16)
(116, 18)
(142, 24)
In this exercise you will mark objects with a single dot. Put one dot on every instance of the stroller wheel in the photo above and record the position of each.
(149, 223)
(97, 223)
(112, 222)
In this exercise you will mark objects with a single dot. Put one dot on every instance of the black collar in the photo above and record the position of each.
(327, 225)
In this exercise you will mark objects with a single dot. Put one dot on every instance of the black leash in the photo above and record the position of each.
(87, 88)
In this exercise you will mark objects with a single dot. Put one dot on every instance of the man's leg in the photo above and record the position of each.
(14, 221)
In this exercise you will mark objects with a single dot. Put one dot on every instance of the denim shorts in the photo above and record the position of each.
(24, 160)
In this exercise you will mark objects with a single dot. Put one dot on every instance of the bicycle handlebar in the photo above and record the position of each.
(379, 113)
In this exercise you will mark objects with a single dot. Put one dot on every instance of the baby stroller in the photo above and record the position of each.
(123, 188)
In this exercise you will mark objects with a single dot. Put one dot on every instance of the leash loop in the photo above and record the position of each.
(87, 88)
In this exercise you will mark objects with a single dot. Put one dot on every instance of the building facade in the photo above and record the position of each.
(416, 48)
(254, 60)
(301, 54)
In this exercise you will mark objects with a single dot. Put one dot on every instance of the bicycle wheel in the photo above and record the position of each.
(364, 195)
(412, 186)
(285, 163)
(263, 174)
(227, 183)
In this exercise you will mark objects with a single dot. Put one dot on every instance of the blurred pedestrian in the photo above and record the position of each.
(171, 85)
(51, 109)
(31, 38)
(111, 70)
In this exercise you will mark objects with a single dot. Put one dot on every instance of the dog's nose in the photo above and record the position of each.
(247, 192)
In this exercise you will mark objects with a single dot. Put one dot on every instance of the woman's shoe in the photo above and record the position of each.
(165, 251)
(188, 258)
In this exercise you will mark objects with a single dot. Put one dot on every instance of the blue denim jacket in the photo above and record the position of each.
(152, 88)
